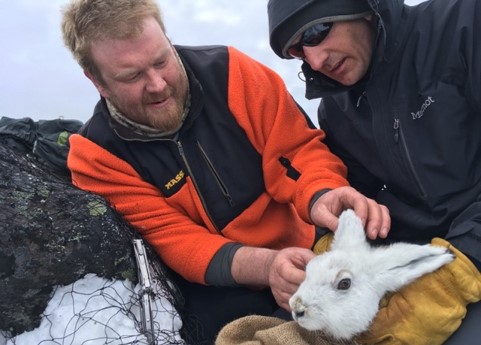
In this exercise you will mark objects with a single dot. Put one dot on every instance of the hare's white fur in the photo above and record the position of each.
(343, 286)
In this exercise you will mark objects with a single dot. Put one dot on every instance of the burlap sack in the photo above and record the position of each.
(265, 330)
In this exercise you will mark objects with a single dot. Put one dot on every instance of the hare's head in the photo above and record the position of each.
(343, 286)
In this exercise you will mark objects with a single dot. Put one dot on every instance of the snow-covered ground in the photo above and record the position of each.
(94, 311)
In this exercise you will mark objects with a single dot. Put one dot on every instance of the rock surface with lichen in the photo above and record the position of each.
(51, 233)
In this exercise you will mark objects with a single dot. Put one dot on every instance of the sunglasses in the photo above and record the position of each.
(309, 38)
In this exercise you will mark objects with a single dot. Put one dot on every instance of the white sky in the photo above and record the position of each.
(40, 79)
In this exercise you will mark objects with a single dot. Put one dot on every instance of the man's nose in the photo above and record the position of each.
(155, 81)
(316, 57)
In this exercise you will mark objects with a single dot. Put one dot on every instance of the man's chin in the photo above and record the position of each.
(172, 125)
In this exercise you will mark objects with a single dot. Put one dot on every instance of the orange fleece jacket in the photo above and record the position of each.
(178, 227)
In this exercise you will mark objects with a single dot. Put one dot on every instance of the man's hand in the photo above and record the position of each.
(282, 271)
(287, 272)
(375, 217)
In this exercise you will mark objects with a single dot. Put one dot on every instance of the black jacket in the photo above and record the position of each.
(410, 132)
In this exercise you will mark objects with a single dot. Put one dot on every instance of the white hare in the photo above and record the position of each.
(341, 293)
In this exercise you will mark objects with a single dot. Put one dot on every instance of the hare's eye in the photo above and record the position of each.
(344, 284)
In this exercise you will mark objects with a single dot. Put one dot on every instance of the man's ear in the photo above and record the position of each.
(99, 86)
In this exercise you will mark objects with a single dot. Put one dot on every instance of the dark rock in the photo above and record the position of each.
(51, 233)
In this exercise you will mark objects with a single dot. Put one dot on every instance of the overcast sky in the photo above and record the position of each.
(40, 79)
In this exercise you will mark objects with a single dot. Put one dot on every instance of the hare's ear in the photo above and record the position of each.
(350, 232)
(402, 263)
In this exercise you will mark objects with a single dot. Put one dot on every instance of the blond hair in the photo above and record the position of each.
(87, 21)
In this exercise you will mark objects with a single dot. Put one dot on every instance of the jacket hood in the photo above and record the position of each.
(290, 18)
(389, 15)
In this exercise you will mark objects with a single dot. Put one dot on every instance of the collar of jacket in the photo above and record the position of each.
(196, 103)
(391, 16)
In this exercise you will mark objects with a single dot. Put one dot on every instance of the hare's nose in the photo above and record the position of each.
(298, 308)
(298, 314)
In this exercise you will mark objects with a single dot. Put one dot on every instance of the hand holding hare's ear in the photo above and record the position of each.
(343, 287)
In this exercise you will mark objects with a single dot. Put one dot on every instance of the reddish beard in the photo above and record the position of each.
(170, 119)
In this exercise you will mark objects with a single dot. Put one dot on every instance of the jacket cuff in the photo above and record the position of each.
(219, 271)
(316, 196)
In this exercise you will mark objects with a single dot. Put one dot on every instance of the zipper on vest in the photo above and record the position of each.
(396, 130)
(399, 139)
(184, 158)
(219, 180)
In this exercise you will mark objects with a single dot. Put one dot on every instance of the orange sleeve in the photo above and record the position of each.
(182, 244)
(277, 127)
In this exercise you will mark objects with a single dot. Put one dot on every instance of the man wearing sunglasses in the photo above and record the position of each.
(401, 105)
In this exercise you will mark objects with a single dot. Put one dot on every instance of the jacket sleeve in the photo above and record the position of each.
(465, 233)
(184, 246)
(465, 230)
(296, 162)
